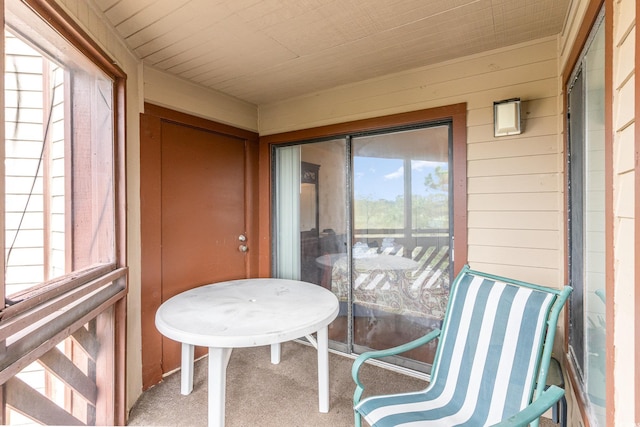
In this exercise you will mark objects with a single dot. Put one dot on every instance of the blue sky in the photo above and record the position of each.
(379, 178)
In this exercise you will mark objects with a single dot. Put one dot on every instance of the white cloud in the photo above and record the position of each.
(395, 175)
(423, 164)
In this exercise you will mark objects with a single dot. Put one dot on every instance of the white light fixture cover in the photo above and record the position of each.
(506, 117)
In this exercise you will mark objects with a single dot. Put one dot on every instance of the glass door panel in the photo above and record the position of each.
(401, 233)
(368, 217)
(312, 221)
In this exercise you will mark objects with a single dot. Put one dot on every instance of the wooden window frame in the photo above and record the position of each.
(103, 286)
(589, 20)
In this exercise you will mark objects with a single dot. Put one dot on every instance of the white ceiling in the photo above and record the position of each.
(263, 51)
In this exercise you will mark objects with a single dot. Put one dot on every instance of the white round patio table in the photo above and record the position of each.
(247, 313)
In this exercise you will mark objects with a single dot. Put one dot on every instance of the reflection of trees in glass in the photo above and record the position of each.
(438, 180)
(432, 210)
(429, 210)
(369, 213)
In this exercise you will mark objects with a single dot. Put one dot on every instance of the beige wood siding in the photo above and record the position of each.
(24, 166)
(180, 95)
(624, 112)
(515, 192)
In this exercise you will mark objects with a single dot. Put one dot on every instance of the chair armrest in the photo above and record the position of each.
(535, 409)
(377, 354)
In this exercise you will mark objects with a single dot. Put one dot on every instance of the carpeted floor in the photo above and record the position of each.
(262, 394)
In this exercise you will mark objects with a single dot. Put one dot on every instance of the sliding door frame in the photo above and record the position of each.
(455, 113)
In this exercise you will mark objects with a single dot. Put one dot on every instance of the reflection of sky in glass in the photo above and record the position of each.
(377, 178)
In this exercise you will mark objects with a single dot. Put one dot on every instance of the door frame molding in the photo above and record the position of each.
(457, 113)
(151, 221)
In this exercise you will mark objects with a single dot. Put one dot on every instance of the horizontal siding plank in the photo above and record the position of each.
(25, 238)
(514, 147)
(625, 150)
(513, 166)
(625, 253)
(17, 203)
(13, 99)
(28, 220)
(23, 185)
(538, 275)
(514, 202)
(531, 108)
(24, 82)
(544, 258)
(624, 19)
(535, 127)
(625, 97)
(534, 239)
(32, 256)
(624, 60)
(526, 91)
(312, 112)
(624, 206)
(516, 220)
(515, 183)
(459, 88)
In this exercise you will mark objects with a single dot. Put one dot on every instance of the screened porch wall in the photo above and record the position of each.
(524, 70)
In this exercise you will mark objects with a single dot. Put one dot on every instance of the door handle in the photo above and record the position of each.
(242, 238)
(243, 248)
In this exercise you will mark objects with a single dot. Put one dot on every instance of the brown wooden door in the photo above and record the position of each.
(202, 213)
(193, 209)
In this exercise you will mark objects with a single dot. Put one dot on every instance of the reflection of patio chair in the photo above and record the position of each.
(494, 349)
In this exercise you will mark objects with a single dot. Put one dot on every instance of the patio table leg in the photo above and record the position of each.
(186, 371)
(218, 360)
(323, 369)
(275, 353)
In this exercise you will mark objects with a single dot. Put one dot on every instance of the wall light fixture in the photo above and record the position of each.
(506, 117)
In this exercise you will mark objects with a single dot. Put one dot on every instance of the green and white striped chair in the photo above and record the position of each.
(491, 364)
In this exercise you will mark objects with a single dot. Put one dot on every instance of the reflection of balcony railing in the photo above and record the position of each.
(407, 239)
(420, 290)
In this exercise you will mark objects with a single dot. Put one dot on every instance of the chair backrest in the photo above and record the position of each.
(495, 345)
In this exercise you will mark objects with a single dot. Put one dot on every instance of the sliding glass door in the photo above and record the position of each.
(368, 217)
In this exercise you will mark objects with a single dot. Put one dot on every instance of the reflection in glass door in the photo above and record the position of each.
(368, 217)
(401, 235)
(311, 218)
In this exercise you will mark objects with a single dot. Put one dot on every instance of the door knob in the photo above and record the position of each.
(242, 238)
(243, 248)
